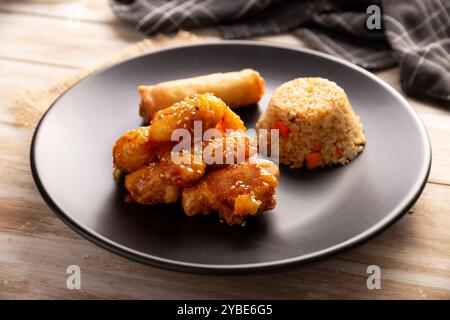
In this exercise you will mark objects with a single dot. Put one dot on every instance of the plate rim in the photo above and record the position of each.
(204, 268)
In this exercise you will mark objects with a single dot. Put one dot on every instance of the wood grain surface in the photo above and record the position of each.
(41, 43)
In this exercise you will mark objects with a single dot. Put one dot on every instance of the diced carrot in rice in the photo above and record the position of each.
(283, 129)
(313, 160)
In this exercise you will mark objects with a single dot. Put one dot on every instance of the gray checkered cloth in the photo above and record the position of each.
(415, 34)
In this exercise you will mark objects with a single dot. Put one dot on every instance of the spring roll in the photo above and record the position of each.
(238, 88)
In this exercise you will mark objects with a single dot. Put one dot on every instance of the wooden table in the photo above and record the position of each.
(43, 42)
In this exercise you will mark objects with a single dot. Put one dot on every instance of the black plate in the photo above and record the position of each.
(318, 213)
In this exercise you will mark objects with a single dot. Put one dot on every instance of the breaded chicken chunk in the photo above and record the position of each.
(229, 149)
(160, 182)
(132, 150)
(210, 110)
(205, 108)
(135, 149)
(236, 192)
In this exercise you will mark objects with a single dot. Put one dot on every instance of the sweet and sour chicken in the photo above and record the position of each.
(235, 184)
(235, 192)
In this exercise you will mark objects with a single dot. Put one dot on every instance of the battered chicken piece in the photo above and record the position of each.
(231, 149)
(207, 108)
(204, 107)
(161, 182)
(236, 192)
(134, 150)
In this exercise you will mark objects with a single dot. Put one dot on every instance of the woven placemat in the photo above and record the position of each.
(32, 104)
